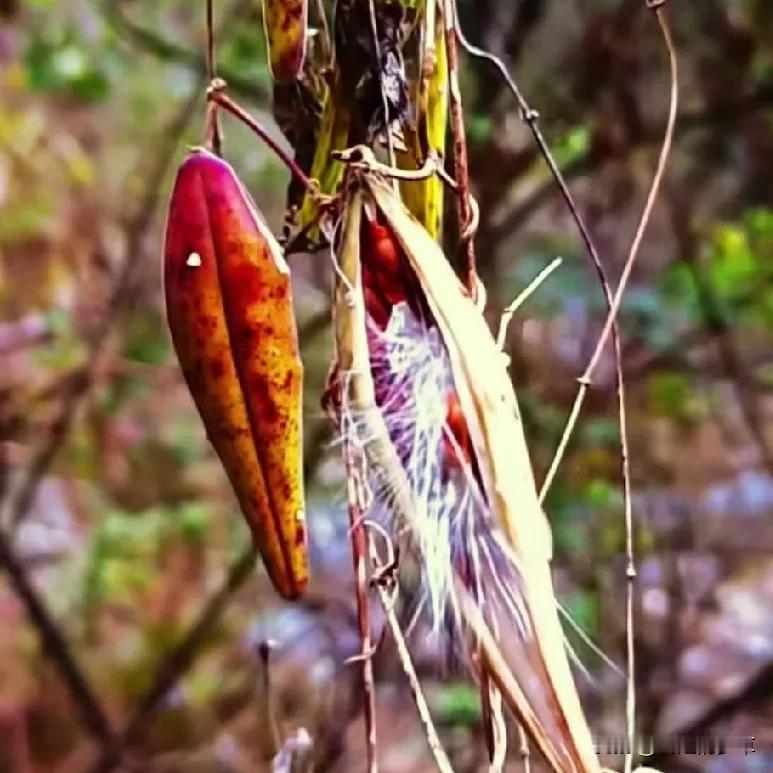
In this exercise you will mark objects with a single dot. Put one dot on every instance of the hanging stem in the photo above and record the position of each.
(216, 95)
(359, 542)
(212, 131)
(523, 749)
(586, 378)
(509, 312)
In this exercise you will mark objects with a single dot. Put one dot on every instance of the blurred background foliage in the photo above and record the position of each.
(117, 512)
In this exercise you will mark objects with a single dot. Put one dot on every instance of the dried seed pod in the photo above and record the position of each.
(426, 391)
(285, 25)
(526, 657)
(228, 301)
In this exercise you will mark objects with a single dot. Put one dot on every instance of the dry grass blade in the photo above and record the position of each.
(523, 749)
(508, 313)
(502, 675)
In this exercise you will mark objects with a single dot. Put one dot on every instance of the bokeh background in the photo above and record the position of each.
(119, 529)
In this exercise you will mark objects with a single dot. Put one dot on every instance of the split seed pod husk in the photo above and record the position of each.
(538, 689)
(229, 308)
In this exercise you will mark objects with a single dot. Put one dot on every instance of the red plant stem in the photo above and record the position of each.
(359, 540)
(215, 94)
(461, 166)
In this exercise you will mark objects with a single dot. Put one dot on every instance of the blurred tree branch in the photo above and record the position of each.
(175, 664)
(757, 691)
(136, 228)
(18, 501)
(167, 50)
(713, 320)
(725, 115)
(93, 715)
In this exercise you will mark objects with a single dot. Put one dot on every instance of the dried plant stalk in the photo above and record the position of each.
(351, 358)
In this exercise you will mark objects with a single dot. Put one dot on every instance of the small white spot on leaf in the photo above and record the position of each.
(194, 260)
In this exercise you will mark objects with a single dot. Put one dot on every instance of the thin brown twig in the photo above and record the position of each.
(523, 749)
(586, 379)
(381, 85)
(168, 50)
(359, 542)
(214, 136)
(269, 709)
(689, 121)
(531, 118)
(210, 53)
(461, 163)
(136, 227)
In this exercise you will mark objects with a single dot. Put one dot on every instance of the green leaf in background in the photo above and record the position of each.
(457, 704)
(675, 396)
(570, 518)
(244, 51)
(680, 294)
(601, 494)
(573, 146)
(601, 431)
(193, 522)
(147, 340)
(479, 128)
(125, 545)
(732, 263)
(185, 440)
(57, 61)
(583, 607)
(739, 261)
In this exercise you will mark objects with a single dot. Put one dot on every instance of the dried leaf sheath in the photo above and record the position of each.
(228, 301)
(448, 460)
(358, 399)
(424, 198)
